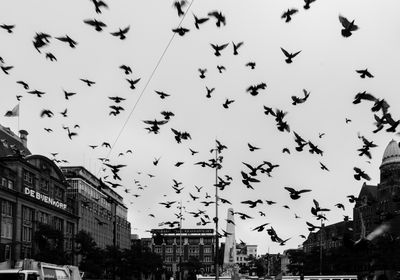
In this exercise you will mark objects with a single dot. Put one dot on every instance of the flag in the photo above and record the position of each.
(14, 112)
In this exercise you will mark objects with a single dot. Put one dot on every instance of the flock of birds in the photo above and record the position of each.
(250, 174)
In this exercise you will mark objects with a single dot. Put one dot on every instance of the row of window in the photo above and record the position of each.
(44, 185)
(6, 183)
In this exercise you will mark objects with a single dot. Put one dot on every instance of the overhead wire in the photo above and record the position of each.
(147, 83)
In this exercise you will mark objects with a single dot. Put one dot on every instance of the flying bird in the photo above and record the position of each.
(198, 21)
(99, 4)
(364, 73)
(287, 15)
(294, 194)
(8, 27)
(236, 47)
(219, 17)
(181, 31)
(307, 4)
(162, 94)
(202, 73)
(360, 174)
(121, 33)
(289, 56)
(227, 103)
(98, 25)
(348, 26)
(88, 82)
(218, 48)
(132, 83)
(24, 84)
(126, 69)
(51, 56)
(68, 40)
(179, 5)
(298, 100)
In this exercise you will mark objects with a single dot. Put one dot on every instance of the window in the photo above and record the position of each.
(27, 214)
(6, 208)
(4, 182)
(44, 185)
(7, 252)
(6, 228)
(43, 218)
(207, 250)
(10, 184)
(59, 193)
(58, 224)
(26, 234)
(29, 177)
(70, 228)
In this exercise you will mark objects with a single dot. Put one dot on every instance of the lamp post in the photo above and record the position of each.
(216, 215)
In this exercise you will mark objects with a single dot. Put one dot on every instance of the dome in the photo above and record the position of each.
(391, 154)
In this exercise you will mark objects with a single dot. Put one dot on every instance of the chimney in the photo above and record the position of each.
(23, 135)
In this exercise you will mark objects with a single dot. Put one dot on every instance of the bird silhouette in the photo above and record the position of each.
(307, 4)
(251, 64)
(167, 115)
(132, 83)
(340, 206)
(193, 152)
(98, 25)
(218, 48)
(116, 110)
(121, 33)
(64, 113)
(68, 40)
(179, 5)
(181, 31)
(252, 204)
(294, 194)
(51, 56)
(297, 100)
(219, 17)
(252, 148)
(88, 82)
(260, 227)
(198, 21)
(287, 15)
(126, 69)
(348, 27)
(227, 103)
(116, 99)
(209, 91)
(8, 27)
(323, 166)
(221, 68)
(98, 5)
(202, 73)
(236, 47)
(364, 73)
(6, 69)
(289, 56)
(24, 84)
(360, 174)
(162, 94)
(68, 94)
(46, 113)
(254, 89)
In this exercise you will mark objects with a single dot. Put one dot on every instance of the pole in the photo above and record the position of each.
(180, 245)
(216, 214)
(320, 248)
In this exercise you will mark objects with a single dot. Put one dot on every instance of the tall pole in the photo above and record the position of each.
(320, 248)
(180, 245)
(216, 214)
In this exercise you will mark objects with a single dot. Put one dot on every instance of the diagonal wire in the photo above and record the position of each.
(147, 83)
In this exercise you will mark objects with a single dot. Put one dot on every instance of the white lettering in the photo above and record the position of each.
(45, 198)
(27, 191)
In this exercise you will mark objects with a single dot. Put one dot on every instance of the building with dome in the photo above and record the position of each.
(381, 203)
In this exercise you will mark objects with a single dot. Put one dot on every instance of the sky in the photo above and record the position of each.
(326, 67)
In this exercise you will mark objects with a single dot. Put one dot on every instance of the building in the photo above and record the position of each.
(171, 244)
(101, 210)
(244, 253)
(380, 204)
(33, 192)
(329, 237)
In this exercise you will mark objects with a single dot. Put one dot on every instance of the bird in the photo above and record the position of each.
(251, 64)
(252, 148)
(287, 14)
(294, 194)
(68, 94)
(132, 83)
(88, 82)
(198, 21)
(298, 100)
(167, 115)
(289, 56)
(179, 5)
(98, 25)
(116, 99)
(162, 94)
(219, 17)
(8, 27)
(46, 113)
(68, 40)
(236, 47)
(323, 166)
(116, 110)
(253, 89)
(51, 56)
(24, 84)
(209, 91)
(227, 103)
(193, 152)
(18, 97)
(348, 120)
(218, 48)
(270, 202)
(364, 73)
(64, 113)
(48, 130)
(348, 26)
(307, 4)
(71, 134)
(202, 73)
(126, 69)
(6, 69)
(260, 227)
(179, 163)
(286, 150)
(121, 33)
(252, 204)
(221, 68)
(360, 174)
(340, 206)
(363, 96)
(181, 31)
(98, 5)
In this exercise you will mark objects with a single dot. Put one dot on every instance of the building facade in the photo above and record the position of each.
(101, 210)
(380, 204)
(175, 246)
(33, 192)
(244, 253)
(328, 237)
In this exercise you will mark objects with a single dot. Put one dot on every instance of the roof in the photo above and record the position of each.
(370, 191)
(391, 154)
(10, 143)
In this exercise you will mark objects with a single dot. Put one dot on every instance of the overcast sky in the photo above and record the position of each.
(325, 67)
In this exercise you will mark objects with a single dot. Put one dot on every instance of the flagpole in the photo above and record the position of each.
(19, 109)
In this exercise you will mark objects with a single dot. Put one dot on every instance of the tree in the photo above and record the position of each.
(92, 257)
(50, 245)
